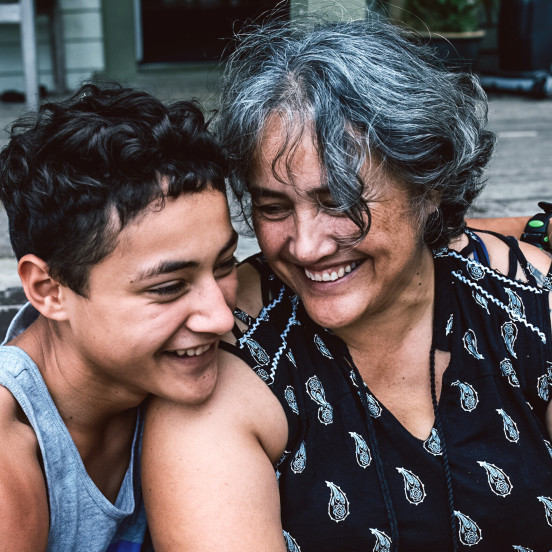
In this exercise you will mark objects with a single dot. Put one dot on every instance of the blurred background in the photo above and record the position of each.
(176, 49)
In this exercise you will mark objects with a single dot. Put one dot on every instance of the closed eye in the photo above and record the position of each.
(272, 211)
(226, 267)
(171, 288)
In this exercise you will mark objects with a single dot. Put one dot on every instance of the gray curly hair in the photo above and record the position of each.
(366, 89)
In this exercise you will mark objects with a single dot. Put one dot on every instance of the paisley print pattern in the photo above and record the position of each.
(499, 482)
(291, 545)
(468, 396)
(289, 394)
(362, 452)
(481, 301)
(317, 394)
(543, 384)
(374, 406)
(338, 505)
(448, 329)
(289, 354)
(509, 333)
(413, 487)
(322, 347)
(433, 443)
(257, 352)
(470, 343)
(383, 542)
(547, 503)
(548, 446)
(510, 428)
(515, 305)
(346, 451)
(468, 531)
(299, 460)
(508, 371)
(475, 270)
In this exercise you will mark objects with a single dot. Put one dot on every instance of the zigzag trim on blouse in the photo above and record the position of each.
(491, 272)
(263, 316)
(499, 303)
(292, 320)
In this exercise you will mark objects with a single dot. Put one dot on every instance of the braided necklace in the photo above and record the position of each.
(445, 462)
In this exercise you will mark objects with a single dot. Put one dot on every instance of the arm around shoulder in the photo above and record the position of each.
(208, 476)
(24, 516)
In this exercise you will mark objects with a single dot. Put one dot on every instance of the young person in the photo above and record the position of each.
(387, 386)
(119, 220)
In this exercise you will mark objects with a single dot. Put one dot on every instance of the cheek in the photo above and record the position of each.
(270, 235)
(343, 229)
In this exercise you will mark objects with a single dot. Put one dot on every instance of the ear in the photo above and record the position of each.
(435, 197)
(44, 293)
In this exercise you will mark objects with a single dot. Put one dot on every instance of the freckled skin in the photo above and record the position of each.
(295, 233)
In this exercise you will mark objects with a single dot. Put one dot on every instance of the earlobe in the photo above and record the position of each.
(435, 197)
(43, 292)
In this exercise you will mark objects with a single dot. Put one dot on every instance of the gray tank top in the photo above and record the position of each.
(82, 519)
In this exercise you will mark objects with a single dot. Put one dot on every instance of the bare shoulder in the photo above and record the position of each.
(207, 469)
(24, 518)
(241, 407)
(499, 255)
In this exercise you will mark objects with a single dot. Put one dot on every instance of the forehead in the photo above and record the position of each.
(286, 152)
(286, 135)
(191, 228)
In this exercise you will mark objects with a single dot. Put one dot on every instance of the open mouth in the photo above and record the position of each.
(331, 275)
(191, 352)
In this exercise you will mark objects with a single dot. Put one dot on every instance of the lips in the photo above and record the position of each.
(330, 275)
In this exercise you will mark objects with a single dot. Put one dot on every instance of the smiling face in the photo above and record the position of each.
(341, 286)
(158, 304)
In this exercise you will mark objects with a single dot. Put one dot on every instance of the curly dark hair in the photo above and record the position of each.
(73, 165)
(365, 89)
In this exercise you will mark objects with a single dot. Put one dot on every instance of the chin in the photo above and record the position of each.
(205, 392)
(331, 318)
(195, 392)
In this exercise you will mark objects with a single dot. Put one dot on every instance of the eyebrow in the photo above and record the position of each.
(166, 267)
(259, 191)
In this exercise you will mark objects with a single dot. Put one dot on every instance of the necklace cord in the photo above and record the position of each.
(445, 461)
(382, 479)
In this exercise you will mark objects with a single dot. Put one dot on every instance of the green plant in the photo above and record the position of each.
(445, 15)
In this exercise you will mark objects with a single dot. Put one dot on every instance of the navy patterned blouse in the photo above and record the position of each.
(353, 478)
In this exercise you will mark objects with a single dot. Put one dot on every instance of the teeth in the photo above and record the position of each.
(330, 276)
(192, 352)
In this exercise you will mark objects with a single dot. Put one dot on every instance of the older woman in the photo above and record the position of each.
(392, 367)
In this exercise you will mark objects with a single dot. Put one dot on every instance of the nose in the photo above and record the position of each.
(311, 237)
(211, 311)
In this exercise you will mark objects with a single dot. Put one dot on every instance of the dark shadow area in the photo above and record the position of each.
(196, 30)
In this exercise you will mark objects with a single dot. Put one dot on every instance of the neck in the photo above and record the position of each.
(100, 414)
(87, 401)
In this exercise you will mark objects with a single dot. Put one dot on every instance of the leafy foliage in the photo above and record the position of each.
(446, 15)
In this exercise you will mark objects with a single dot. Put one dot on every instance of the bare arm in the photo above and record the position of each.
(208, 475)
(24, 517)
(507, 226)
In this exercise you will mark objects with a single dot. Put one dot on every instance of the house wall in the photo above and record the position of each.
(84, 41)
(83, 46)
